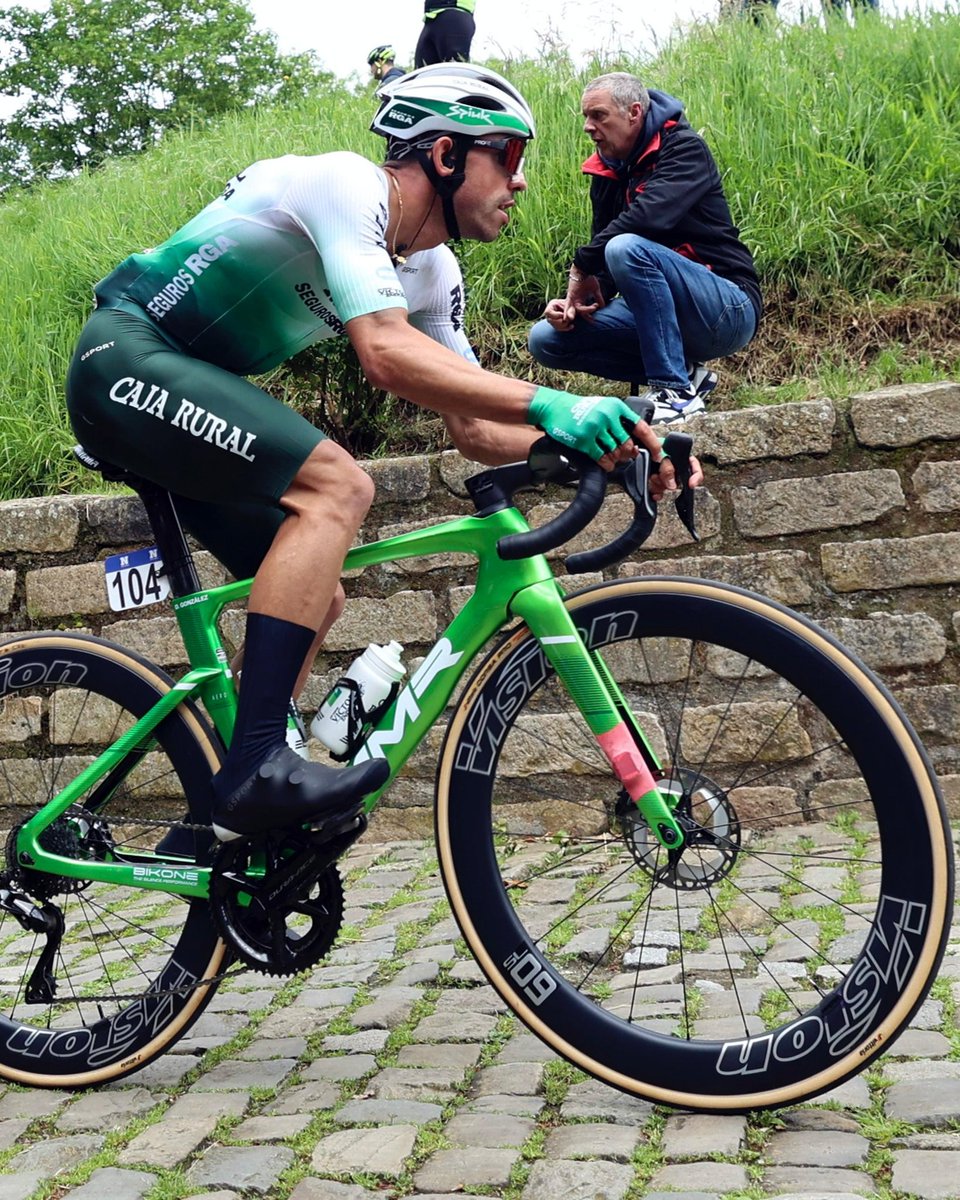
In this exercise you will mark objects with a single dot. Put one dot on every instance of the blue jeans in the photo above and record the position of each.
(670, 312)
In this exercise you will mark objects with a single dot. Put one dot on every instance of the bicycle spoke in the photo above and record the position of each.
(618, 901)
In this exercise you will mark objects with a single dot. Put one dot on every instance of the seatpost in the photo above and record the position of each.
(178, 564)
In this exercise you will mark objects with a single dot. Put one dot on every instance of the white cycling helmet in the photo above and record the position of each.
(459, 99)
(463, 101)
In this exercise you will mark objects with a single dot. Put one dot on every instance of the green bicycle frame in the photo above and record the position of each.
(525, 589)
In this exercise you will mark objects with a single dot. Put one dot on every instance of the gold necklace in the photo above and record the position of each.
(398, 259)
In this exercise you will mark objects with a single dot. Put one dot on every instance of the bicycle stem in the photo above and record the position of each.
(603, 711)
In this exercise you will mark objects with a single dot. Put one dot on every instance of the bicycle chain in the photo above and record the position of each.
(149, 822)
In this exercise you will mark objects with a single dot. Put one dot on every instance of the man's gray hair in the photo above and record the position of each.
(624, 89)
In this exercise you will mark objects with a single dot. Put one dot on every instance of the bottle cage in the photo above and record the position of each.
(359, 721)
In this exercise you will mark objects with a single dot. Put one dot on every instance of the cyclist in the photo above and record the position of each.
(382, 66)
(295, 250)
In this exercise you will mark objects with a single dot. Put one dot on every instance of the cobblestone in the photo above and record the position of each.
(251, 1169)
(466, 1167)
(117, 1184)
(329, 1088)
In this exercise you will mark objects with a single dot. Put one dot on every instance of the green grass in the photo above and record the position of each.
(840, 149)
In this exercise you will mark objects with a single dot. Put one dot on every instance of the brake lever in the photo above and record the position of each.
(632, 477)
(677, 447)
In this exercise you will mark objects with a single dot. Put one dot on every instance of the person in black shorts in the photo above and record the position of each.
(448, 29)
(295, 250)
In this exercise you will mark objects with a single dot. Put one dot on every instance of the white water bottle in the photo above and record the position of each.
(340, 719)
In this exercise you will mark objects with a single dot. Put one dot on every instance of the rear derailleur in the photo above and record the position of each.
(45, 920)
(77, 834)
(277, 898)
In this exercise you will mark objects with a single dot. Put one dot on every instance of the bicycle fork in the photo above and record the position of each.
(596, 694)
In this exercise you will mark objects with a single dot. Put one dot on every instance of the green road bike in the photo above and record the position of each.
(747, 901)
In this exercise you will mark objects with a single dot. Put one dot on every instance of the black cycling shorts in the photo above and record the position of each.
(225, 448)
(445, 38)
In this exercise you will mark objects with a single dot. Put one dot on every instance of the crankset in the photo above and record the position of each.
(711, 829)
(277, 899)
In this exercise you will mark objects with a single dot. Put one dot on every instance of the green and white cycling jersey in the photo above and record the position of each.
(293, 250)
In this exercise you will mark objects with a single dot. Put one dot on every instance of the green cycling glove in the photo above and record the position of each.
(594, 425)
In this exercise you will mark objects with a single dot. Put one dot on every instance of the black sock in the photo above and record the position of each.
(273, 654)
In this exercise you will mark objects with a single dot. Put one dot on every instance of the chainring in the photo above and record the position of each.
(275, 938)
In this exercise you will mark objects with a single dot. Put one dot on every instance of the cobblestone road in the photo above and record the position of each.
(393, 1070)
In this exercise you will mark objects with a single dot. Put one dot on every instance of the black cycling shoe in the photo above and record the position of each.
(286, 790)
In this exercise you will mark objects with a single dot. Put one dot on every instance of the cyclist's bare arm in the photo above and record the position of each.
(401, 359)
(490, 442)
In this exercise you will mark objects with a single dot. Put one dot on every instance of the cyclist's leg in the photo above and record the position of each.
(239, 536)
(292, 595)
(209, 435)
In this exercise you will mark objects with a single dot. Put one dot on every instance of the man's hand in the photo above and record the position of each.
(664, 480)
(583, 298)
(598, 426)
(594, 423)
(556, 314)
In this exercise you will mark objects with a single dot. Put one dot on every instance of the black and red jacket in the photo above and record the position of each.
(669, 191)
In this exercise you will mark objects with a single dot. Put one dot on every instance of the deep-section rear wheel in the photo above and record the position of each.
(119, 983)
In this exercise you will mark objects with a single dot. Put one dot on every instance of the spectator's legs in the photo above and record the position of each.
(445, 38)
(683, 312)
(604, 344)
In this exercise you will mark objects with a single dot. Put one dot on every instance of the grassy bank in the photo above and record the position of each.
(840, 148)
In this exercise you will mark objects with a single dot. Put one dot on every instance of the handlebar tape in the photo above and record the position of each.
(632, 477)
(587, 502)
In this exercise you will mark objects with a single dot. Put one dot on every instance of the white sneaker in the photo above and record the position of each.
(702, 379)
(670, 405)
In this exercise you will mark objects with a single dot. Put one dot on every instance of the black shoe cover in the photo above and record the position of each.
(287, 790)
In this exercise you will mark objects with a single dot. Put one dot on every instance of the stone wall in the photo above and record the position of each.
(845, 512)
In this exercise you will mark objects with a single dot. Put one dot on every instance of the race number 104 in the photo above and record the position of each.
(135, 579)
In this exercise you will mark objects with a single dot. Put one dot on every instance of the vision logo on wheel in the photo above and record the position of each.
(33, 674)
(886, 963)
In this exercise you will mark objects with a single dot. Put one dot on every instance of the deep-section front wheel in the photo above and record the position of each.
(112, 981)
(795, 934)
